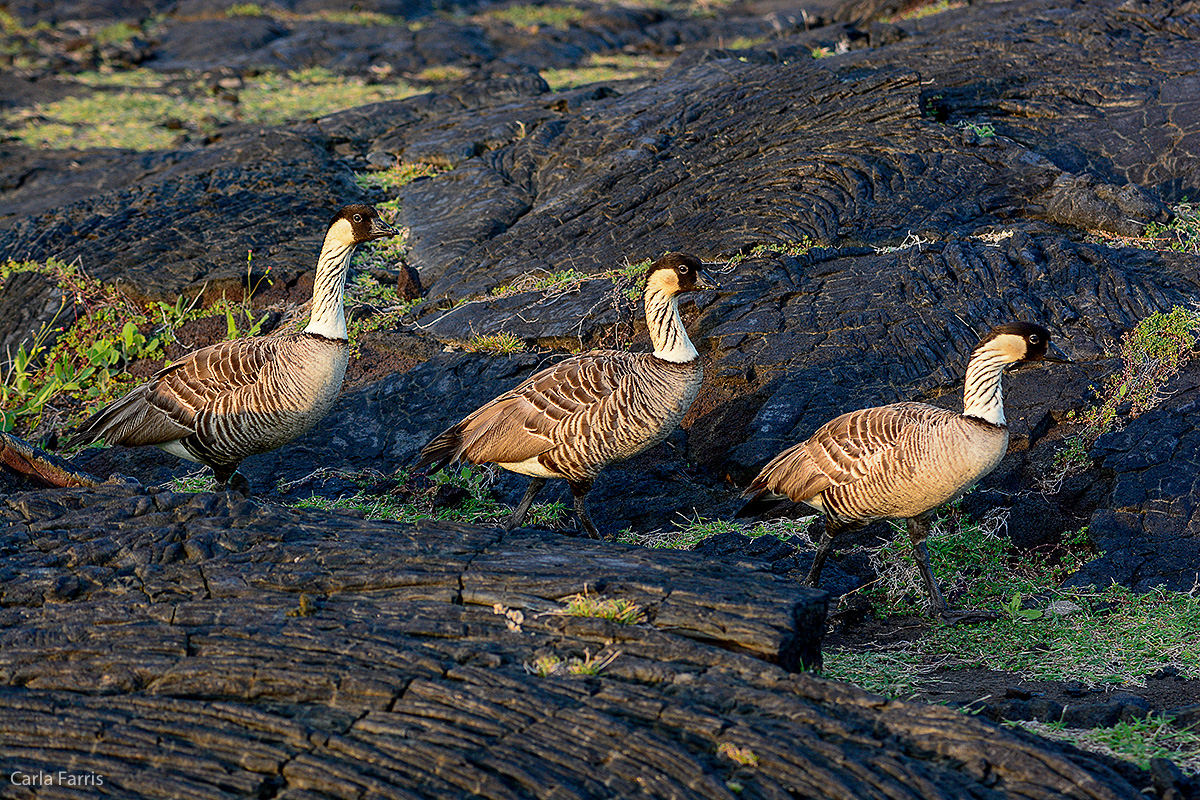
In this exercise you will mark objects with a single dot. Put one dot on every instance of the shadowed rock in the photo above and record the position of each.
(234, 649)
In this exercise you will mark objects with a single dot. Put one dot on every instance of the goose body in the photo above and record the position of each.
(234, 399)
(575, 418)
(904, 460)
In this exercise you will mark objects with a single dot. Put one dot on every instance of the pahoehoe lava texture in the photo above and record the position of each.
(214, 646)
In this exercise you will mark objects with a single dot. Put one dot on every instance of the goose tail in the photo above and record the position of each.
(759, 504)
(131, 421)
(444, 449)
(108, 422)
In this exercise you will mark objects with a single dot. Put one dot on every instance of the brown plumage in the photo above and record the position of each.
(575, 418)
(234, 399)
(902, 461)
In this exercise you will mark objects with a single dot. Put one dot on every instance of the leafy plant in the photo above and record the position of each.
(982, 130)
(87, 360)
(1013, 610)
(1182, 233)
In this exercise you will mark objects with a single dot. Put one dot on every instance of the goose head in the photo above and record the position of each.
(356, 224)
(1020, 341)
(676, 273)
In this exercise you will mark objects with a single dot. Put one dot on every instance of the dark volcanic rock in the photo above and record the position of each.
(168, 225)
(239, 650)
(1149, 534)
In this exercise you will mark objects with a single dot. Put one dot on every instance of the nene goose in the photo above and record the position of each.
(222, 403)
(575, 418)
(902, 461)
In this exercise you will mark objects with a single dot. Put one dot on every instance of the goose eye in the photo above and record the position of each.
(683, 269)
(358, 217)
(1034, 338)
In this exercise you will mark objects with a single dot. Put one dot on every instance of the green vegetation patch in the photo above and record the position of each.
(1181, 234)
(1151, 355)
(549, 665)
(796, 248)
(687, 534)
(532, 17)
(1137, 740)
(503, 343)
(100, 333)
(924, 9)
(604, 68)
(617, 609)
(1105, 638)
(406, 498)
(143, 110)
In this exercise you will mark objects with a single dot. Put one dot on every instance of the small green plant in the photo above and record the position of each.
(982, 130)
(87, 361)
(397, 176)
(551, 665)
(503, 343)
(541, 281)
(796, 248)
(1182, 234)
(618, 609)
(690, 532)
(821, 52)
(201, 480)
(1013, 610)
(1151, 354)
(738, 755)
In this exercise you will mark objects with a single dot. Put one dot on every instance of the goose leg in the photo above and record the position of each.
(229, 479)
(814, 572)
(579, 490)
(918, 530)
(518, 516)
(238, 483)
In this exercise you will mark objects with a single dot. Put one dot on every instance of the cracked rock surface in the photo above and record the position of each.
(213, 646)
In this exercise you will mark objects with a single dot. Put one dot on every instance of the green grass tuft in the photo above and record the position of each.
(1138, 740)
(132, 109)
(1151, 355)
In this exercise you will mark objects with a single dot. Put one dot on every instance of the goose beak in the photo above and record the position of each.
(1055, 353)
(705, 281)
(380, 229)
